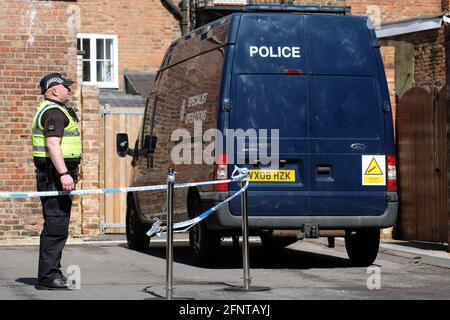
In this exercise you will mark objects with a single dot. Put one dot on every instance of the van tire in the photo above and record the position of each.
(276, 243)
(204, 242)
(362, 246)
(135, 229)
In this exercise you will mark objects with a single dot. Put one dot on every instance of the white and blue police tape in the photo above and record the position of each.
(183, 226)
(240, 176)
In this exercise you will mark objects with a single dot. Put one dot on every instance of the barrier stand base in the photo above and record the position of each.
(173, 298)
(249, 289)
(153, 291)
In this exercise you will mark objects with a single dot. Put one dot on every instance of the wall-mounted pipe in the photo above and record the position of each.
(179, 12)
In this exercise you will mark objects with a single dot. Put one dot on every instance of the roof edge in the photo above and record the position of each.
(410, 26)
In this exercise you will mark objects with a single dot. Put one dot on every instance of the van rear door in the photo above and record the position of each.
(270, 92)
(346, 120)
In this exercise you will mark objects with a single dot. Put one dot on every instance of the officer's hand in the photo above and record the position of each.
(67, 182)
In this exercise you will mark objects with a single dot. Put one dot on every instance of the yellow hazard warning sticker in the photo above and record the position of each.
(373, 170)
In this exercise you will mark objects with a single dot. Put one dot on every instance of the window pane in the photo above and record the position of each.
(87, 48)
(78, 44)
(100, 48)
(104, 71)
(86, 71)
(108, 72)
(100, 71)
(109, 48)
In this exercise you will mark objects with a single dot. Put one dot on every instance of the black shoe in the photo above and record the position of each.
(55, 284)
(62, 277)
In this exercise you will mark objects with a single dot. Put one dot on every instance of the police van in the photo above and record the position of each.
(317, 82)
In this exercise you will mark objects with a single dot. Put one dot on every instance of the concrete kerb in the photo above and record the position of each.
(428, 253)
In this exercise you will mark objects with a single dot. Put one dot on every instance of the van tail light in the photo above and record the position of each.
(221, 172)
(391, 174)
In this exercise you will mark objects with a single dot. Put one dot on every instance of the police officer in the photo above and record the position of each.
(56, 153)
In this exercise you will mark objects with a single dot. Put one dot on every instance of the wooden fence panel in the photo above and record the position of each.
(422, 165)
(117, 171)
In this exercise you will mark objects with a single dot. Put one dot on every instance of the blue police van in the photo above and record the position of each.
(318, 79)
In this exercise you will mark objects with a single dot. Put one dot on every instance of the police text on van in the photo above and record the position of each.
(275, 52)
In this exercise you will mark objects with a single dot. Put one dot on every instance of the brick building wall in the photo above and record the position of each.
(144, 29)
(391, 11)
(429, 57)
(90, 166)
(388, 56)
(36, 38)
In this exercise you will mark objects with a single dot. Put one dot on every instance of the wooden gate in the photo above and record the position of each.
(422, 164)
(116, 171)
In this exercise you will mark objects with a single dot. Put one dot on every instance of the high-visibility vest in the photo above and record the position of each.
(71, 139)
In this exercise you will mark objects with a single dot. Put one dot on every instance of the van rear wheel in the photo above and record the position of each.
(362, 246)
(204, 242)
(135, 229)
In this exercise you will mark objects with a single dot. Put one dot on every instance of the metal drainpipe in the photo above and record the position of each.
(180, 13)
(184, 18)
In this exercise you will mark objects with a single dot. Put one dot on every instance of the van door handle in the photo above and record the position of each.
(358, 146)
(323, 170)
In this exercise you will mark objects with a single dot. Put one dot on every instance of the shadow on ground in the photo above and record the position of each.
(229, 257)
(27, 281)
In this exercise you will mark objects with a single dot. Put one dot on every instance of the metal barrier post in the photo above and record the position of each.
(245, 259)
(245, 249)
(169, 246)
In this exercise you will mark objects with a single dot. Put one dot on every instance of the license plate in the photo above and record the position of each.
(272, 175)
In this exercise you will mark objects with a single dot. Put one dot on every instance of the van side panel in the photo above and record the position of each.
(183, 107)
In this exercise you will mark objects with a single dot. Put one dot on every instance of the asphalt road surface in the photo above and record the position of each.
(304, 270)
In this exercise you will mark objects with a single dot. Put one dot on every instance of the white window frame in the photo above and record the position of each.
(93, 54)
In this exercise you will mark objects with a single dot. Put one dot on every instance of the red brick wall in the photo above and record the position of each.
(388, 56)
(396, 10)
(144, 29)
(90, 165)
(429, 57)
(445, 5)
(36, 38)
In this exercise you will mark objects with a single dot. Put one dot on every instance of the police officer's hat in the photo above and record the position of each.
(53, 79)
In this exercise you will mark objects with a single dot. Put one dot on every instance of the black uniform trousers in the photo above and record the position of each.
(55, 232)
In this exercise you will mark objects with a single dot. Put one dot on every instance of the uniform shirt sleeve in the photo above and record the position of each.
(54, 121)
